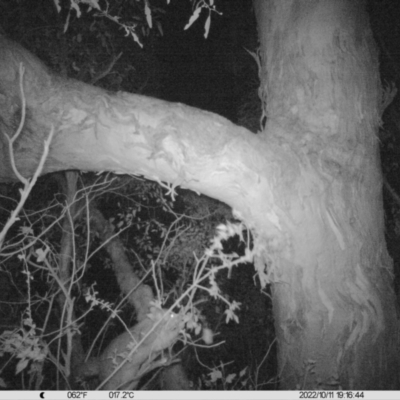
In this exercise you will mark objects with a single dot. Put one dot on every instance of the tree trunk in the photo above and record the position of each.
(334, 306)
(309, 187)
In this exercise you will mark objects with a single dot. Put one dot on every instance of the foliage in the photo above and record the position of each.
(140, 16)
(37, 251)
(92, 49)
(142, 20)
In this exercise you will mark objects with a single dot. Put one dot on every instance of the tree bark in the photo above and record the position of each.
(334, 305)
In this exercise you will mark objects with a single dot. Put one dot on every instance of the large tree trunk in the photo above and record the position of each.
(334, 307)
(309, 187)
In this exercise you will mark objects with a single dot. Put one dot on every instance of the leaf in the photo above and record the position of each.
(230, 378)
(21, 365)
(76, 8)
(26, 230)
(207, 26)
(208, 336)
(193, 18)
(147, 12)
(93, 4)
(57, 4)
(215, 375)
(159, 27)
(41, 254)
(136, 38)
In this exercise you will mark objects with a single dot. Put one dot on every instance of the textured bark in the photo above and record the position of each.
(334, 305)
